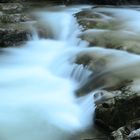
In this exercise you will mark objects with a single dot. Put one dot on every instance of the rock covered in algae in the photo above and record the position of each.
(12, 36)
(104, 27)
(13, 29)
(116, 93)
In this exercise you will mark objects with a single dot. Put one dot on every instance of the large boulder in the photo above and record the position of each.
(115, 78)
(115, 39)
(13, 22)
(110, 28)
(119, 110)
(130, 131)
(110, 68)
(114, 85)
(13, 36)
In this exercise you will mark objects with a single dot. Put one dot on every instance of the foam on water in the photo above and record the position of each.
(37, 99)
(39, 79)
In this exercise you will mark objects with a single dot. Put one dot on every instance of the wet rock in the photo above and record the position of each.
(13, 18)
(117, 103)
(12, 37)
(103, 97)
(135, 134)
(93, 59)
(13, 21)
(90, 19)
(121, 40)
(110, 69)
(120, 110)
(120, 134)
(11, 7)
(130, 131)
(106, 29)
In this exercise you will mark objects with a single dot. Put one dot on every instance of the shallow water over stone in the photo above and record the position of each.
(37, 91)
(39, 80)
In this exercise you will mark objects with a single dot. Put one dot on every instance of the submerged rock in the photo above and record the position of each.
(121, 40)
(104, 27)
(90, 19)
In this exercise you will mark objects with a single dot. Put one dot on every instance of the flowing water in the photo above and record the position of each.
(38, 83)
(38, 80)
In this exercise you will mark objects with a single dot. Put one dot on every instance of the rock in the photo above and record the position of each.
(120, 110)
(113, 39)
(105, 28)
(12, 37)
(102, 96)
(120, 134)
(105, 73)
(13, 19)
(130, 131)
(117, 103)
(11, 7)
(135, 134)
(15, 14)
(90, 19)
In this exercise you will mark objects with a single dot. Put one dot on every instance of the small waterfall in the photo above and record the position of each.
(60, 30)
(61, 25)
(37, 92)
(39, 81)
(80, 73)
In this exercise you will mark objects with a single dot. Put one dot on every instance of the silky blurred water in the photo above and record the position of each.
(37, 87)
(38, 80)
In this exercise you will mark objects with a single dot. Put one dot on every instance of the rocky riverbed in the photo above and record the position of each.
(13, 24)
(16, 20)
(115, 73)
(113, 58)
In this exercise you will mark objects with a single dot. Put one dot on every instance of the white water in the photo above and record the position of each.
(37, 84)
(38, 80)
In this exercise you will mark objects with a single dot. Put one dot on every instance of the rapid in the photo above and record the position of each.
(38, 83)
(39, 80)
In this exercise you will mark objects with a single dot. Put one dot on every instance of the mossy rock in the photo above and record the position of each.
(126, 107)
(13, 34)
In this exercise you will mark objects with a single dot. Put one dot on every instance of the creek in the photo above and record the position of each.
(39, 79)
